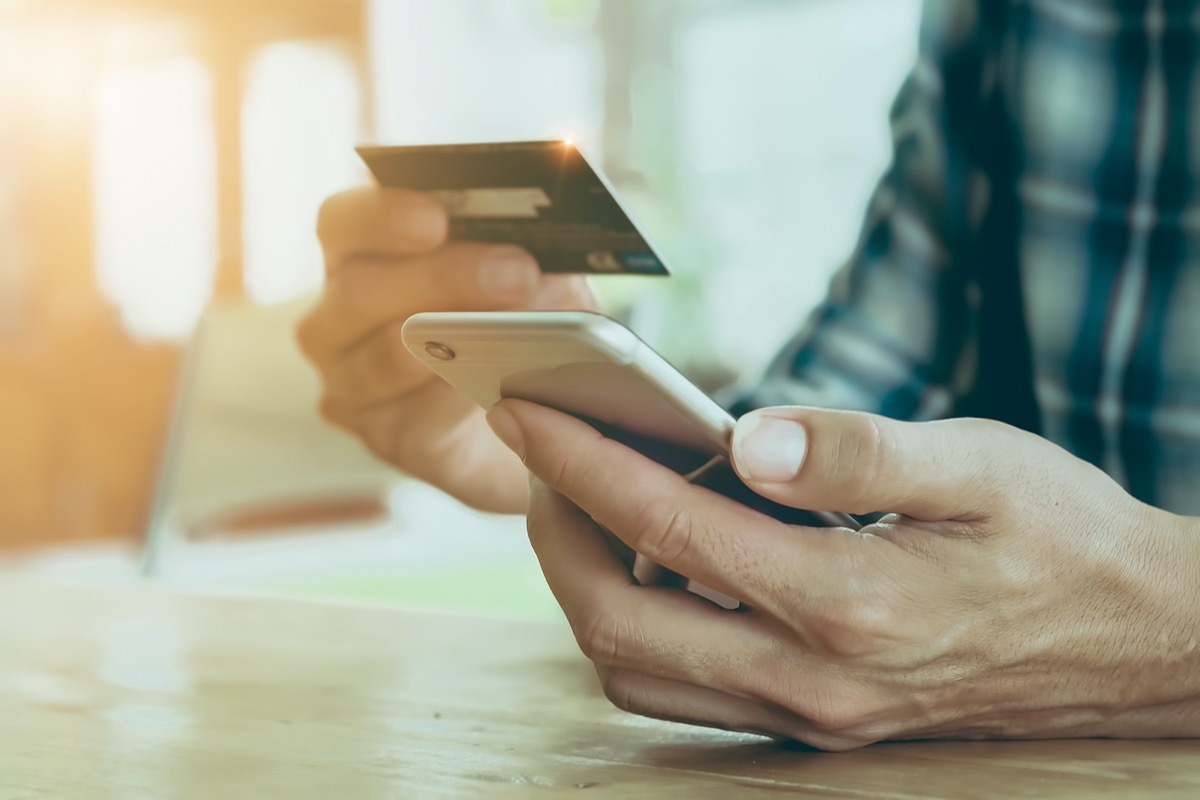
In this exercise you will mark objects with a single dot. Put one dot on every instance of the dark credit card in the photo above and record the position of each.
(542, 196)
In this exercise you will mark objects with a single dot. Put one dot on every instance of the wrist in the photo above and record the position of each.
(1165, 680)
(1182, 579)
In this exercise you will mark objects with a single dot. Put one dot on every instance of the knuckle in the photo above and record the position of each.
(854, 629)
(378, 445)
(842, 713)
(991, 445)
(537, 525)
(414, 221)
(381, 433)
(307, 335)
(454, 271)
(352, 292)
(862, 452)
(837, 716)
(663, 530)
(329, 216)
(435, 221)
(562, 472)
(329, 411)
(625, 691)
(985, 437)
(387, 356)
(602, 635)
(377, 370)
(988, 427)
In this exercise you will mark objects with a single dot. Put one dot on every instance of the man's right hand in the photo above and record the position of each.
(387, 257)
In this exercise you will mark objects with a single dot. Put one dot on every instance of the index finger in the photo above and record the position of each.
(372, 220)
(688, 529)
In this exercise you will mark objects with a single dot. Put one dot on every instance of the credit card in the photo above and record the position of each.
(542, 196)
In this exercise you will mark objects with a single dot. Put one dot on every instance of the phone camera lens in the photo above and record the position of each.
(439, 351)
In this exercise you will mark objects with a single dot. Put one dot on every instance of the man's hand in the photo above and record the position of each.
(1017, 591)
(387, 258)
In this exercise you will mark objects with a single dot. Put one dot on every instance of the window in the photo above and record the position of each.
(155, 190)
(300, 124)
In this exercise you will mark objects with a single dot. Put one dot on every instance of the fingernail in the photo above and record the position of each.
(507, 429)
(508, 274)
(769, 449)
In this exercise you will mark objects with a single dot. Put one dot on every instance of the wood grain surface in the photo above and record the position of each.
(108, 693)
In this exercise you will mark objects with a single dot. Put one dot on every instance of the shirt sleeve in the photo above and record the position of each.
(896, 333)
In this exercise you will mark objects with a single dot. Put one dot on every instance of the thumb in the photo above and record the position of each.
(861, 463)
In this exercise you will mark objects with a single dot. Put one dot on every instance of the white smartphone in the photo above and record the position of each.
(592, 367)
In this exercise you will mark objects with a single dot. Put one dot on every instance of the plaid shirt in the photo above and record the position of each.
(1033, 252)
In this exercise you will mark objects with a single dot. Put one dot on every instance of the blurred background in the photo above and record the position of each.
(161, 165)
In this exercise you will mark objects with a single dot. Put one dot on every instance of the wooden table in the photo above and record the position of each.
(129, 694)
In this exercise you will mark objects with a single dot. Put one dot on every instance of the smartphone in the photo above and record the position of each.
(592, 367)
